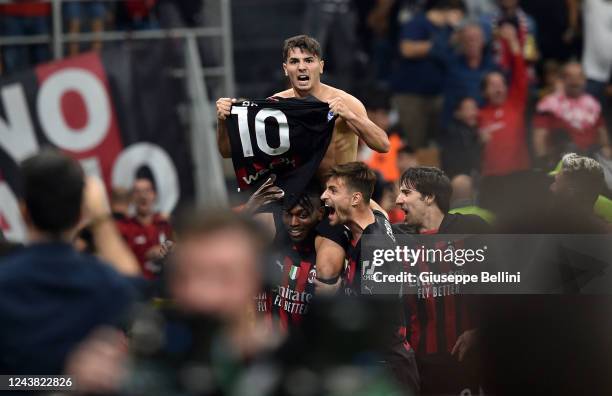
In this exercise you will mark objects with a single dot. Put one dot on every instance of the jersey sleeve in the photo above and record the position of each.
(337, 233)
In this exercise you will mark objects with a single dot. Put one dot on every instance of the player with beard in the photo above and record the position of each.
(303, 65)
(442, 331)
(347, 199)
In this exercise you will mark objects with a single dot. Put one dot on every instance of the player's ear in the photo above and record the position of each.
(322, 64)
(285, 68)
(356, 198)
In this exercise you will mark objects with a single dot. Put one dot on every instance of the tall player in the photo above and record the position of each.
(303, 65)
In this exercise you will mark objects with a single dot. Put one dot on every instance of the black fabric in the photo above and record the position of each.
(463, 224)
(338, 233)
(310, 126)
(352, 274)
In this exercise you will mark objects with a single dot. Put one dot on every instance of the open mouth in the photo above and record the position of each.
(330, 211)
(303, 78)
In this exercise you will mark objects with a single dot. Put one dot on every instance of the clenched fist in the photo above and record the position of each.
(340, 108)
(224, 106)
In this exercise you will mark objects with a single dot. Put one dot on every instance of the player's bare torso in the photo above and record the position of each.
(343, 147)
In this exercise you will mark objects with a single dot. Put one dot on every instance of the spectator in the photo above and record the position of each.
(76, 12)
(22, 19)
(147, 230)
(378, 107)
(136, 15)
(460, 144)
(510, 13)
(419, 77)
(406, 159)
(576, 188)
(478, 8)
(597, 55)
(463, 199)
(466, 65)
(51, 298)
(333, 24)
(502, 120)
(573, 111)
(378, 33)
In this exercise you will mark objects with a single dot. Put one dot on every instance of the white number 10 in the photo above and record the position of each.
(260, 131)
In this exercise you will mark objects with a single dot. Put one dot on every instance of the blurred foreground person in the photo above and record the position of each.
(51, 297)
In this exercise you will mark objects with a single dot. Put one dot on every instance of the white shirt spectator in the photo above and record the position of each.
(597, 56)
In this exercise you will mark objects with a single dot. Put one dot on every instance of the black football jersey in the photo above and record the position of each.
(286, 137)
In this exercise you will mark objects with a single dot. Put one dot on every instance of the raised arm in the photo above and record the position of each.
(107, 240)
(224, 106)
(352, 111)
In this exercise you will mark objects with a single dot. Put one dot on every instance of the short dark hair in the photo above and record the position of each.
(430, 182)
(484, 82)
(309, 199)
(303, 42)
(357, 176)
(145, 173)
(53, 191)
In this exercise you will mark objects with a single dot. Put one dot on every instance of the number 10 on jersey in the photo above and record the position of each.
(260, 130)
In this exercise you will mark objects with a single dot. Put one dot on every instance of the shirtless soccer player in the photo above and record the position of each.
(303, 66)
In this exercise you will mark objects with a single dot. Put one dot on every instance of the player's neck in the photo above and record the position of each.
(432, 220)
(360, 219)
(316, 91)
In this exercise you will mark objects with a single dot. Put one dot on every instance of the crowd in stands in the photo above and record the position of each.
(32, 18)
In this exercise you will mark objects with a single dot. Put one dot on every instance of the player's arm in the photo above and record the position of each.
(224, 106)
(351, 110)
(330, 262)
(375, 206)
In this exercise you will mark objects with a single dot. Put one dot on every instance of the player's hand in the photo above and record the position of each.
(338, 107)
(606, 151)
(466, 342)
(265, 194)
(224, 107)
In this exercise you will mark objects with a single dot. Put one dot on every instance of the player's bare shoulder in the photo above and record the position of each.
(288, 93)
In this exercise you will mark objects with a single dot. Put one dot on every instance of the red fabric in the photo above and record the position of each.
(580, 117)
(140, 238)
(26, 9)
(396, 216)
(506, 151)
(138, 9)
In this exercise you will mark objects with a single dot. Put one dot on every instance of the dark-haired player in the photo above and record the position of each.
(443, 332)
(303, 65)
